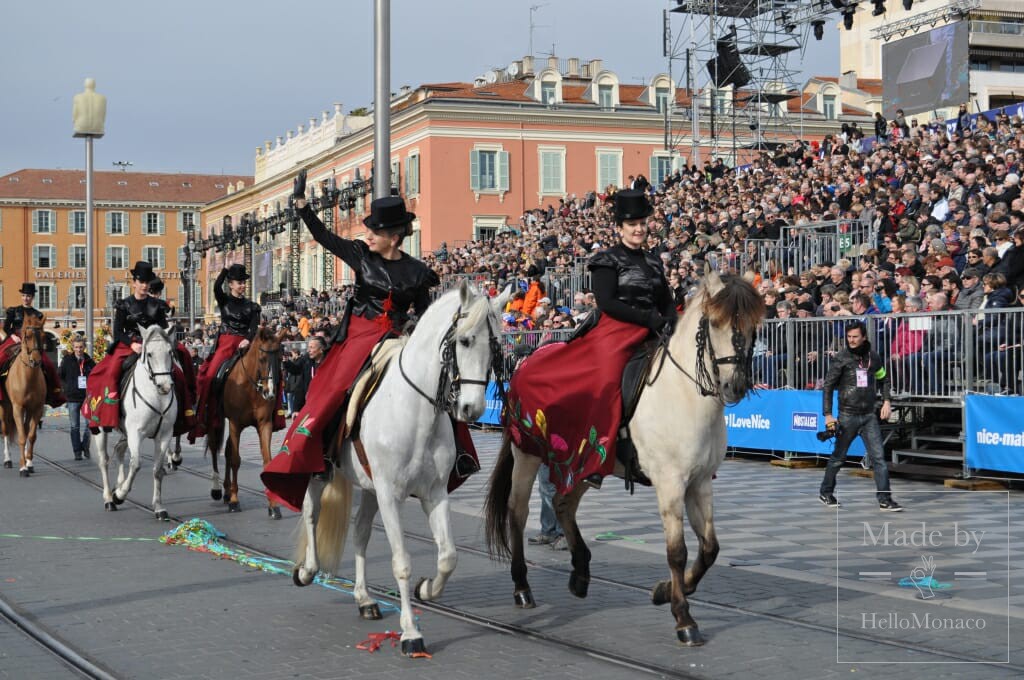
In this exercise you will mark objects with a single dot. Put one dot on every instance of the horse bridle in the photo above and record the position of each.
(450, 382)
(708, 384)
(260, 377)
(136, 395)
(30, 362)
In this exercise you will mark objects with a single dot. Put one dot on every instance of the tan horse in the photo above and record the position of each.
(249, 400)
(25, 394)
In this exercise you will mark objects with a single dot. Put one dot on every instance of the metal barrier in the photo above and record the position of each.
(800, 247)
(928, 356)
(531, 340)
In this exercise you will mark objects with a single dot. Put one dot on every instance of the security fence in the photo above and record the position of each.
(800, 247)
(560, 283)
(928, 356)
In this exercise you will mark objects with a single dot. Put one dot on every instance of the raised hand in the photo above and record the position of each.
(299, 185)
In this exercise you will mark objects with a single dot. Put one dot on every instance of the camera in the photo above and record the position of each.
(828, 432)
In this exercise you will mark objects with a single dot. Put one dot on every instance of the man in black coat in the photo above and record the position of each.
(74, 368)
(304, 368)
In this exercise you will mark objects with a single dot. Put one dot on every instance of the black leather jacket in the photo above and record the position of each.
(842, 374)
(397, 284)
(640, 288)
(16, 318)
(238, 315)
(132, 315)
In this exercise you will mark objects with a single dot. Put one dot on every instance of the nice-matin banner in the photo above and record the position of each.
(994, 434)
(782, 420)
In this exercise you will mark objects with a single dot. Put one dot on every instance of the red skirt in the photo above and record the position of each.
(54, 392)
(566, 408)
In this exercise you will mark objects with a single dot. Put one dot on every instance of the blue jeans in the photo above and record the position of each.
(548, 519)
(867, 426)
(79, 434)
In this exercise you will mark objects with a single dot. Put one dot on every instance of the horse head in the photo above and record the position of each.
(475, 342)
(731, 311)
(157, 358)
(267, 348)
(32, 340)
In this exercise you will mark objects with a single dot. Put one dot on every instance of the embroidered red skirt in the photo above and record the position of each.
(227, 345)
(566, 408)
(54, 392)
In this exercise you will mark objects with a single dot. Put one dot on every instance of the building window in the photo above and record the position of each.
(117, 223)
(76, 257)
(76, 221)
(197, 298)
(721, 100)
(414, 243)
(547, 93)
(186, 219)
(828, 106)
(609, 169)
(153, 223)
(44, 257)
(661, 95)
(487, 227)
(552, 172)
(45, 295)
(488, 170)
(78, 296)
(661, 167)
(396, 174)
(977, 64)
(154, 255)
(412, 175)
(606, 96)
(43, 222)
(117, 257)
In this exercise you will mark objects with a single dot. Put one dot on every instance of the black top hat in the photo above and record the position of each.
(236, 272)
(156, 287)
(632, 205)
(389, 214)
(143, 271)
(28, 289)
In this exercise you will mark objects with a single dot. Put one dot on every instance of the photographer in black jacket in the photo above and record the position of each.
(858, 373)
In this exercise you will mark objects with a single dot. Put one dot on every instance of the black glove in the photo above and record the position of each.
(299, 185)
(656, 322)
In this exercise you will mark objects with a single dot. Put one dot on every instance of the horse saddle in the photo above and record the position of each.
(221, 377)
(634, 379)
(367, 381)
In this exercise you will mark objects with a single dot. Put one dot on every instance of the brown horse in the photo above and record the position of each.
(249, 400)
(25, 394)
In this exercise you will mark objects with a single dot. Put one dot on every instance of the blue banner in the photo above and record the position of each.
(782, 420)
(492, 413)
(994, 437)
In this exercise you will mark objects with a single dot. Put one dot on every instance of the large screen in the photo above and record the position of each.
(926, 71)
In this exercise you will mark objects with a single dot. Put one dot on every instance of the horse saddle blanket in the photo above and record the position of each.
(368, 380)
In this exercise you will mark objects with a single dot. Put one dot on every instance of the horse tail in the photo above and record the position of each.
(496, 512)
(332, 525)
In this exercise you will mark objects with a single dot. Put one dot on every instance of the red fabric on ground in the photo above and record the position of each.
(565, 401)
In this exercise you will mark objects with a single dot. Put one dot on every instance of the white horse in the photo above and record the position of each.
(150, 409)
(409, 443)
(678, 429)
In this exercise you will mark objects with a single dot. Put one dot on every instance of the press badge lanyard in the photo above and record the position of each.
(862, 373)
(81, 375)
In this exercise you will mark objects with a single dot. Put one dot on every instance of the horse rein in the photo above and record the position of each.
(136, 395)
(258, 382)
(30, 362)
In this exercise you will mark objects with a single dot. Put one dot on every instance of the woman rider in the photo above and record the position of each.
(387, 283)
(240, 319)
(13, 321)
(187, 390)
(131, 314)
(564, 406)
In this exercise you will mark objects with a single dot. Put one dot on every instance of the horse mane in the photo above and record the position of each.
(478, 312)
(149, 332)
(736, 303)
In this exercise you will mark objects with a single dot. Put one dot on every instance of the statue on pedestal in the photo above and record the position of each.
(89, 111)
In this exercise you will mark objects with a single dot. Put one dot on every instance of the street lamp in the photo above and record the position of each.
(88, 114)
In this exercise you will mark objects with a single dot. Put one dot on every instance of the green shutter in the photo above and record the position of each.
(503, 171)
(181, 221)
(108, 258)
(474, 170)
(653, 176)
(163, 223)
(35, 221)
(107, 219)
(125, 223)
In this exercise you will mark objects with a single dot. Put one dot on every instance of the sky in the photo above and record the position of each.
(197, 85)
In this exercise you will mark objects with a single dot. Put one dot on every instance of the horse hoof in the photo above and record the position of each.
(297, 580)
(234, 507)
(109, 505)
(661, 593)
(524, 599)
(370, 612)
(690, 636)
(578, 585)
(8, 464)
(161, 515)
(175, 464)
(422, 596)
(216, 494)
(30, 470)
(24, 473)
(117, 501)
(414, 648)
(274, 513)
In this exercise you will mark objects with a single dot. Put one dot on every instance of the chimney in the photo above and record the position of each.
(519, 66)
(553, 62)
(848, 81)
(240, 185)
(528, 66)
(595, 67)
(573, 70)
(404, 90)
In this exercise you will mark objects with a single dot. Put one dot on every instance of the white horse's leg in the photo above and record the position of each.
(161, 451)
(412, 638)
(119, 450)
(700, 511)
(306, 571)
(99, 442)
(135, 450)
(368, 608)
(176, 457)
(672, 491)
(436, 507)
(7, 452)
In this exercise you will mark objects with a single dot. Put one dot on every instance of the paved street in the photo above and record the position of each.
(137, 608)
